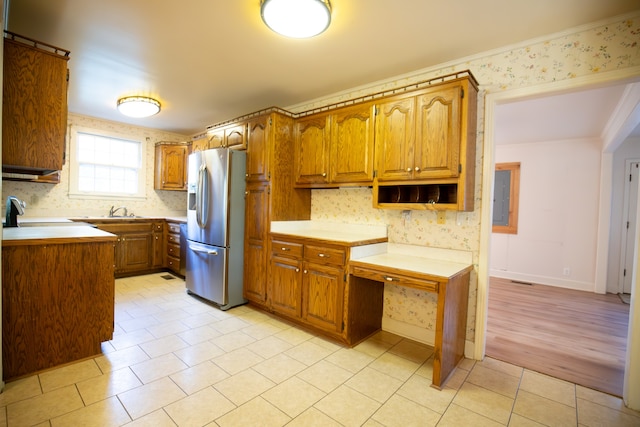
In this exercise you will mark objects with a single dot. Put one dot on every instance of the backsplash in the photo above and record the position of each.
(48, 200)
(573, 53)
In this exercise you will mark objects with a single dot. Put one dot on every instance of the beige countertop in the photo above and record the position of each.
(355, 234)
(14, 236)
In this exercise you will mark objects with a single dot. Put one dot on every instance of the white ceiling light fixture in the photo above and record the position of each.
(138, 106)
(296, 18)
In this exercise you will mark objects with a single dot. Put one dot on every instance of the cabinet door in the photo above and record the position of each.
(157, 249)
(395, 135)
(235, 136)
(312, 150)
(437, 146)
(352, 136)
(323, 295)
(285, 291)
(199, 144)
(136, 251)
(34, 108)
(258, 149)
(171, 167)
(255, 251)
(216, 139)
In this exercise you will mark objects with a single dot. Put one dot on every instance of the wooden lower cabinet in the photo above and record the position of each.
(173, 260)
(57, 304)
(309, 285)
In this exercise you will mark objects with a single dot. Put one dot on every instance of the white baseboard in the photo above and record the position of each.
(543, 280)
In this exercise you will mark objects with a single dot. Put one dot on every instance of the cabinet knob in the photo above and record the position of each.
(408, 169)
(417, 169)
(323, 255)
(305, 272)
(324, 174)
(389, 279)
(246, 175)
(297, 270)
(285, 249)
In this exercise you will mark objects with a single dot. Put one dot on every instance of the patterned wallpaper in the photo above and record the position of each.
(47, 200)
(571, 54)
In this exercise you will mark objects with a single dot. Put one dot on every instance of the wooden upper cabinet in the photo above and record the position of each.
(34, 108)
(312, 150)
(200, 144)
(437, 147)
(215, 139)
(395, 136)
(258, 149)
(171, 166)
(235, 136)
(351, 146)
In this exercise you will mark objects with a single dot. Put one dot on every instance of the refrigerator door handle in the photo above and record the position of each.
(202, 192)
(204, 251)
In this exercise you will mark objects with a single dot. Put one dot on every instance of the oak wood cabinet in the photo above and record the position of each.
(232, 136)
(200, 143)
(307, 282)
(57, 303)
(171, 166)
(136, 249)
(336, 148)
(173, 259)
(34, 106)
(425, 148)
(270, 195)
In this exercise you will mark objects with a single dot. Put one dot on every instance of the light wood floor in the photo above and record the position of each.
(572, 335)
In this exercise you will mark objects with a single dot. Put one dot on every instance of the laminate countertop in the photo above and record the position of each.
(51, 235)
(330, 232)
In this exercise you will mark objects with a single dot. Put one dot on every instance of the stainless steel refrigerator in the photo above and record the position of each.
(215, 226)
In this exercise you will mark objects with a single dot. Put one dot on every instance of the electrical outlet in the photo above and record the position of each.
(566, 271)
(442, 217)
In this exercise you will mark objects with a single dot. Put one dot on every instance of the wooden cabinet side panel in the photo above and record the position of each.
(54, 312)
(34, 108)
(352, 139)
(395, 136)
(438, 134)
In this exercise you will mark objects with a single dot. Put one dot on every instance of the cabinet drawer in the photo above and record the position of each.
(173, 250)
(173, 238)
(396, 279)
(173, 263)
(325, 255)
(172, 227)
(290, 249)
(158, 226)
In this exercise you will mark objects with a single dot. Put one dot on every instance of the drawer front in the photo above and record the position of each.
(172, 227)
(173, 263)
(158, 226)
(324, 255)
(284, 248)
(396, 279)
(173, 238)
(173, 250)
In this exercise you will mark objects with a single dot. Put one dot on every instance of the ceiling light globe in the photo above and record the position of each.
(296, 18)
(138, 106)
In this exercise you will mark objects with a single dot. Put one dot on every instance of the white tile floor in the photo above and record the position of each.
(175, 360)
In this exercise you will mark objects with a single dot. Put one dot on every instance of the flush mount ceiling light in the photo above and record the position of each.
(138, 106)
(296, 18)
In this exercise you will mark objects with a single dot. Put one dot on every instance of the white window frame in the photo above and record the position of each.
(75, 193)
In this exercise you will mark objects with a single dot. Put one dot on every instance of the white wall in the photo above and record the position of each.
(629, 150)
(558, 212)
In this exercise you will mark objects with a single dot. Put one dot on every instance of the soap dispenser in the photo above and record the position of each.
(15, 207)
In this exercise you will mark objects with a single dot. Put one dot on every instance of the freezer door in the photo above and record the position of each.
(206, 274)
(208, 197)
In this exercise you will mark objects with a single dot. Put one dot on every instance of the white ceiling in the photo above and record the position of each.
(212, 60)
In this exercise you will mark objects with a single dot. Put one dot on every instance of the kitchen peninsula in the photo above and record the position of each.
(57, 295)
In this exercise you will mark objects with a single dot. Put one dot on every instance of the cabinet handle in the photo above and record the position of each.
(408, 169)
(156, 237)
(297, 270)
(324, 174)
(390, 279)
(324, 256)
(285, 249)
(417, 169)
(305, 272)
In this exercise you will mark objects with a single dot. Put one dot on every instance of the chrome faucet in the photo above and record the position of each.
(113, 210)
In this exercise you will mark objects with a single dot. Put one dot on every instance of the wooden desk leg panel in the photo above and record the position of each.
(451, 327)
(365, 308)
